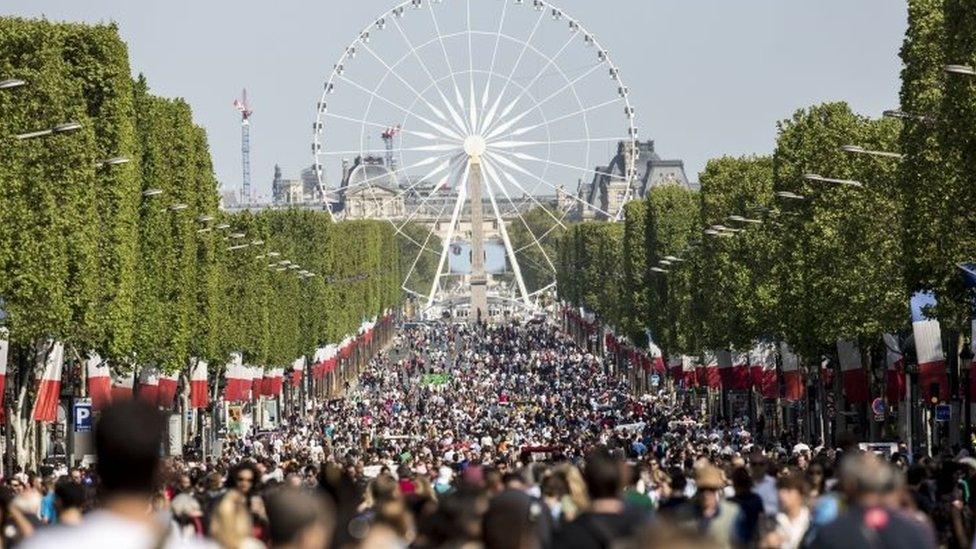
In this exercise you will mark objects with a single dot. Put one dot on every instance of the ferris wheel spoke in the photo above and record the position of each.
(504, 232)
(514, 120)
(447, 132)
(518, 212)
(511, 74)
(446, 242)
(437, 112)
(422, 135)
(425, 162)
(549, 63)
(471, 100)
(494, 56)
(447, 58)
(430, 75)
(517, 144)
(526, 129)
(511, 179)
(424, 247)
(532, 158)
(437, 188)
(512, 165)
(424, 148)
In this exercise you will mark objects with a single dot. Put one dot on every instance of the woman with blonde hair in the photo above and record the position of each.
(230, 523)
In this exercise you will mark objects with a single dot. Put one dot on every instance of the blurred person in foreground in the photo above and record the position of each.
(299, 519)
(608, 521)
(708, 515)
(127, 440)
(865, 481)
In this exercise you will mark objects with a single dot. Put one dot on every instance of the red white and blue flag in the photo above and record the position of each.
(793, 387)
(894, 370)
(49, 385)
(99, 376)
(932, 376)
(199, 393)
(852, 371)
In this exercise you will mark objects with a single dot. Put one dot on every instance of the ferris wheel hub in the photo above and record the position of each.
(475, 146)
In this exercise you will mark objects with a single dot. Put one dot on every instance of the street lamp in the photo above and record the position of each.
(178, 207)
(10, 83)
(114, 161)
(861, 150)
(790, 195)
(236, 235)
(222, 226)
(741, 219)
(966, 70)
(819, 178)
(205, 218)
(60, 128)
(902, 115)
(659, 270)
(148, 193)
(238, 247)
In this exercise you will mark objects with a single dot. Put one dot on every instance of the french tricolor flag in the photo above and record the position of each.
(895, 370)
(234, 377)
(674, 367)
(276, 382)
(168, 384)
(122, 386)
(932, 376)
(724, 358)
(148, 389)
(49, 386)
(657, 357)
(688, 371)
(852, 371)
(297, 368)
(199, 393)
(710, 376)
(99, 381)
(318, 363)
(740, 371)
(762, 363)
(794, 388)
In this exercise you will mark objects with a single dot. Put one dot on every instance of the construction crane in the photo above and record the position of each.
(244, 108)
(388, 137)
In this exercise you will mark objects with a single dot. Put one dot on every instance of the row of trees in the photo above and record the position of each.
(742, 261)
(134, 260)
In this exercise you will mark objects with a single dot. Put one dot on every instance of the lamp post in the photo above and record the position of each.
(821, 179)
(10, 83)
(966, 366)
(965, 70)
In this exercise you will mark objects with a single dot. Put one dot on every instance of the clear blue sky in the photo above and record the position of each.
(708, 77)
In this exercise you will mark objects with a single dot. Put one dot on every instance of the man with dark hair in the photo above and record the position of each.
(128, 438)
(608, 520)
(297, 519)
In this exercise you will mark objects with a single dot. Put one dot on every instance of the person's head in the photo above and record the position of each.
(75, 475)
(741, 481)
(709, 481)
(299, 519)
(69, 495)
(128, 436)
(230, 522)
(792, 490)
(512, 522)
(864, 477)
(242, 477)
(605, 475)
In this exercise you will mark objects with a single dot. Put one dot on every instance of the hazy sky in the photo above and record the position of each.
(707, 77)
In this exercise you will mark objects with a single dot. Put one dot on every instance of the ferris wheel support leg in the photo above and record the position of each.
(509, 250)
(446, 243)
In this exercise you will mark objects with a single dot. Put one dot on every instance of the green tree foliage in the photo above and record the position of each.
(671, 228)
(736, 292)
(841, 263)
(633, 308)
(537, 260)
(419, 254)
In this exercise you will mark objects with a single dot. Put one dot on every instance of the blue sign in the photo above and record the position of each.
(879, 407)
(81, 415)
(655, 380)
(942, 412)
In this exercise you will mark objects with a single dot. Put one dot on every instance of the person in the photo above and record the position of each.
(708, 514)
(749, 503)
(764, 484)
(793, 518)
(297, 519)
(69, 501)
(608, 520)
(865, 522)
(230, 523)
(128, 436)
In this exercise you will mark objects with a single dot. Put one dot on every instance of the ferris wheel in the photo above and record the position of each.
(485, 124)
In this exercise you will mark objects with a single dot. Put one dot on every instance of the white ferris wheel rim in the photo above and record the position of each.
(471, 135)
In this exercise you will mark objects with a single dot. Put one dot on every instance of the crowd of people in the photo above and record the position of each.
(503, 436)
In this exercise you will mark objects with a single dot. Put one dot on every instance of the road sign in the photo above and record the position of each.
(655, 380)
(942, 413)
(82, 415)
(879, 407)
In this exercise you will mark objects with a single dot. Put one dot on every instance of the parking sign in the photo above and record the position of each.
(82, 415)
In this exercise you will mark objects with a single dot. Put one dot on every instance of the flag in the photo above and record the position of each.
(894, 370)
(199, 393)
(4, 351)
(762, 365)
(297, 368)
(852, 371)
(932, 376)
(277, 380)
(688, 371)
(122, 386)
(724, 358)
(711, 378)
(657, 358)
(794, 388)
(148, 389)
(168, 384)
(674, 367)
(49, 386)
(99, 381)
(234, 378)
(741, 379)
